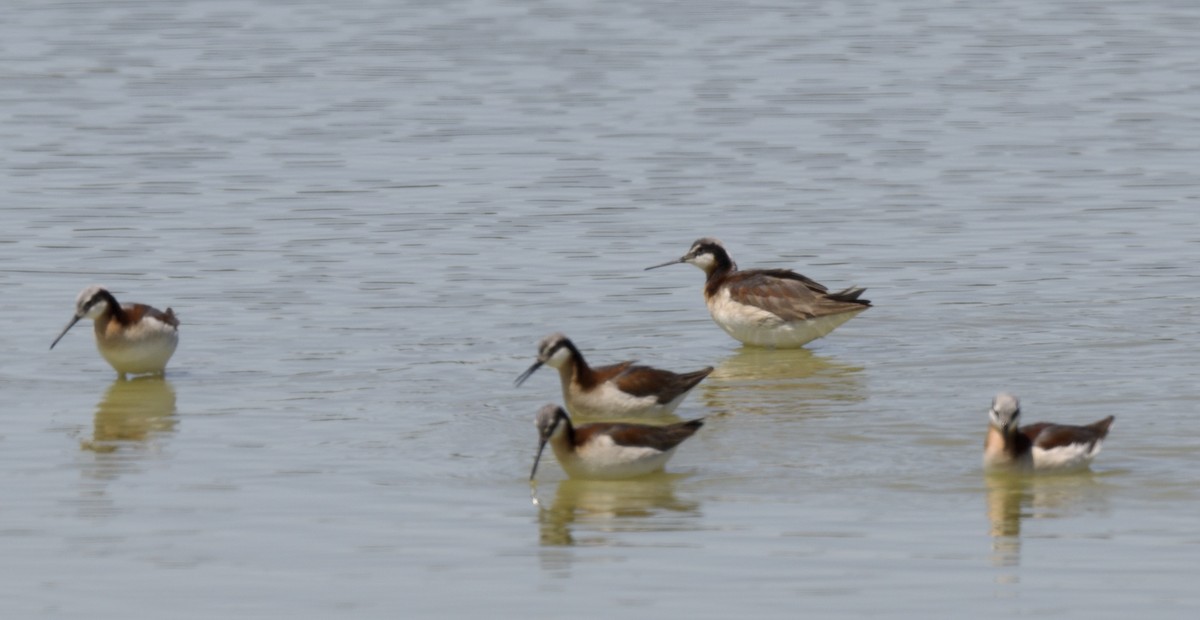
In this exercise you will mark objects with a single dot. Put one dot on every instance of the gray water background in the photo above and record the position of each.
(367, 213)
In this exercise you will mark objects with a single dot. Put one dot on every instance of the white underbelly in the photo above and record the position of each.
(757, 327)
(145, 354)
(606, 402)
(601, 459)
(1065, 457)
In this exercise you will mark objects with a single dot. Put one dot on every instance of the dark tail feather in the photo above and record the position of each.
(850, 295)
(1102, 426)
(690, 379)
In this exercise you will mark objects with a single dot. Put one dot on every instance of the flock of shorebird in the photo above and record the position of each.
(776, 308)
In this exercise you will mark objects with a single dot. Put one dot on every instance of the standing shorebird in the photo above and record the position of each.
(608, 450)
(1040, 446)
(619, 390)
(133, 338)
(768, 307)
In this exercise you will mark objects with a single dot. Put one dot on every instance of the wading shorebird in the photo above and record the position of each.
(133, 338)
(608, 450)
(768, 307)
(619, 390)
(1041, 446)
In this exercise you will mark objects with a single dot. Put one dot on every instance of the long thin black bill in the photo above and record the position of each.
(541, 448)
(525, 375)
(670, 262)
(65, 330)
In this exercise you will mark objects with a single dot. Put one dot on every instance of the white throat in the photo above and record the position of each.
(706, 262)
(561, 358)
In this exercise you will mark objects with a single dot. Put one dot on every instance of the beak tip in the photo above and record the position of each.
(668, 263)
(66, 329)
(537, 459)
(528, 372)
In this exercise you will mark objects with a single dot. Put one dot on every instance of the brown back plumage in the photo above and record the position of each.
(1047, 435)
(589, 377)
(136, 312)
(789, 295)
(663, 384)
(661, 438)
(129, 314)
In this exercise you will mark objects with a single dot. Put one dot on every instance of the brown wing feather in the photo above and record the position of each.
(664, 384)
(788, 274)
(1047, 436)
(591, 377)
(791, 296)
(132, 313)
(658, 437)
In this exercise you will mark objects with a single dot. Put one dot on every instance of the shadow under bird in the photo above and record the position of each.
(608, 450)
(1040, 446)
(133, 338)
(618, 390)
(768, 307)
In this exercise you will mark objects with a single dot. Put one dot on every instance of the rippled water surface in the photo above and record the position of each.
(367, 213)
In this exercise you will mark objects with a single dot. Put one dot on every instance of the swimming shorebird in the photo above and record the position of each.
(133, 338)
(768, 307)
(1040, 446)
(608, 450)
(619, 390)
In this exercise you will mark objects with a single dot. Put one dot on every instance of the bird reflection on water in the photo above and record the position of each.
(785, 381)
(130, 419)
(1014, 497)
(598, 508)
(131, 413)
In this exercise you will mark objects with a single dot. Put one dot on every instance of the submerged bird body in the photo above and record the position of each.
(133, 338)
(618, 390)
(1040, 446)
(768, 307)
(608, 450)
